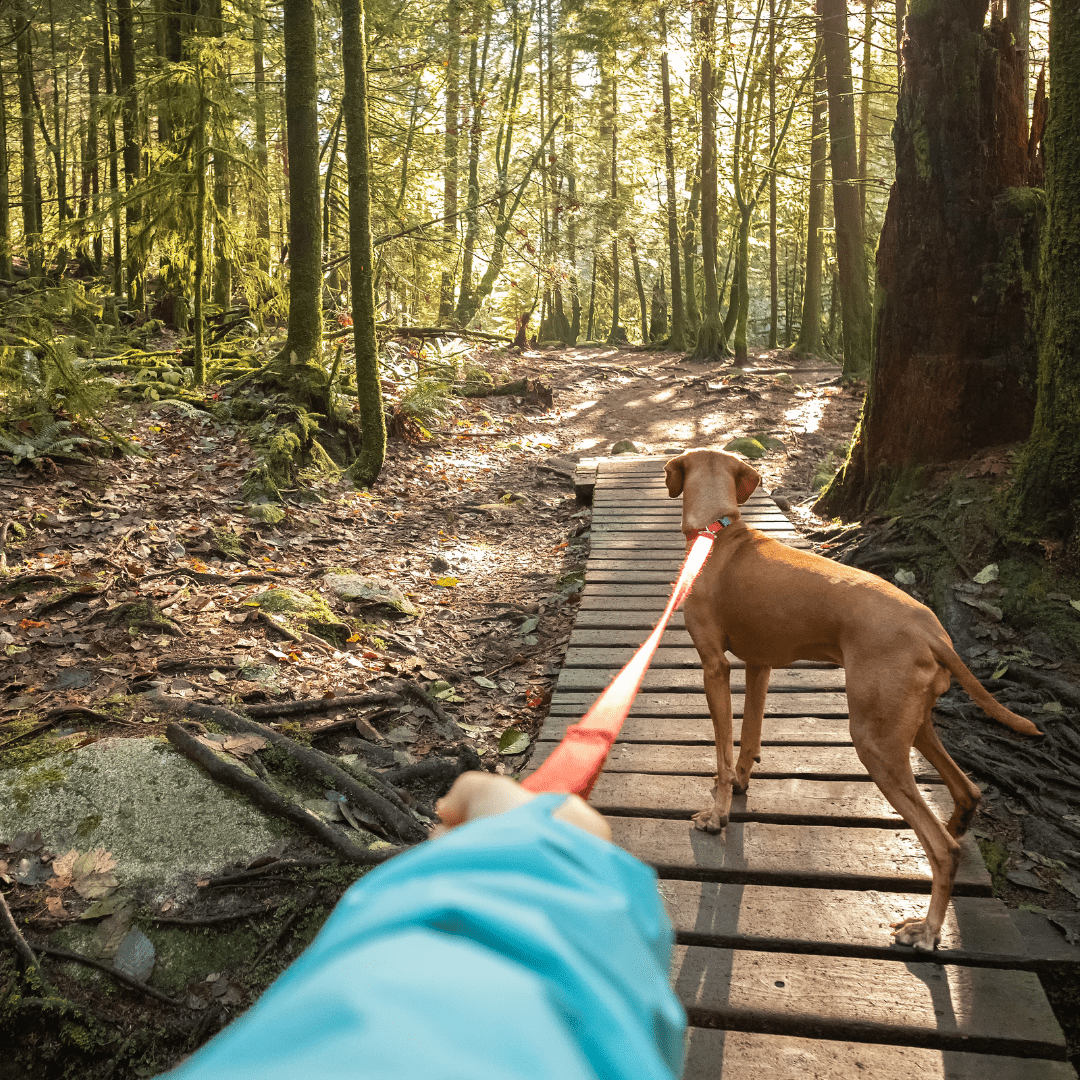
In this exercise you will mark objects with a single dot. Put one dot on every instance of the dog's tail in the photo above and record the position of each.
(978, 693)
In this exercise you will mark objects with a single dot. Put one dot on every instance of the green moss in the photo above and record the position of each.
(88, 826)
(34, 780)
(228, 541)
(921, 143)
(996, 858)
(187, 954)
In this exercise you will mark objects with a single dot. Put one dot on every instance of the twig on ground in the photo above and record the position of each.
(116, 973)
(22, 950)
(214, 920)
(265, 796)
(311, 705)
(299, 639)
(286, 926)
(262, 871)
(53, 716)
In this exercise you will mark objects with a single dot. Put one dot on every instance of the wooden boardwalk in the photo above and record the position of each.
(783, 959)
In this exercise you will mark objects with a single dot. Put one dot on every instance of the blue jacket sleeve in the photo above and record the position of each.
(517, 947)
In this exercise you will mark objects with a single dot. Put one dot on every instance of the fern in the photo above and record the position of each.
(54, 439)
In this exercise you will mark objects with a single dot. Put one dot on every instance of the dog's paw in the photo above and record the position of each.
(710, 820)
(916, 933)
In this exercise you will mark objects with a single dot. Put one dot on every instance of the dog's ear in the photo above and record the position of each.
(675, 475)
(746, 480)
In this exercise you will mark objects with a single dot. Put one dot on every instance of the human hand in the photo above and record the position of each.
(480, 794)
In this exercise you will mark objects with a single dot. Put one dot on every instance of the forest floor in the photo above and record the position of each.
(138, 588)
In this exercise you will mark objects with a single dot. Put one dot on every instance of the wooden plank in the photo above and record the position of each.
(781, 802)
(694, 705)
(784, 919)
(621, 644)
(653, 597)
(739, 1055)
(942, 1007)
(674, 680)
(807, 856)
(776, 730)
(666, 656)
(830, 762)
(638, 525)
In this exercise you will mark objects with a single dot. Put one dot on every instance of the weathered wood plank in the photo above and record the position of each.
(781, 802)
(738, 1055)
(666, 657)
(776, 730)
(948, 1007)
(638, 525)
(810, 856)
(830, 762)
(653, 597)
(674, 680)
(824, 705)
(613, 648)
(785, 919)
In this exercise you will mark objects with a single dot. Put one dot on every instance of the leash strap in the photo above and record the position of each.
(574, 765)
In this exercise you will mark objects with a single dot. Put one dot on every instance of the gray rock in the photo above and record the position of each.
(367, 590)
(162, 818)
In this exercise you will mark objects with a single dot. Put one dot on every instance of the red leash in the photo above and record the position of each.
(575, 764)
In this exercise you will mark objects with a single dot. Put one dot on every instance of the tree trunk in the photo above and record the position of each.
(223, 284)
(677, 336)
(617, 334)
(809, 342)
(114, 174)
(31, 222)
(299, 360)
(199, 287)
(592, 300)
(130, 119)
(1046, 495)
(5, 195)
(847, 210)
(954, 367)
(261, 190)
(640, 291)
(450, 156)
(866, 85)
(710, 345)
(689, 247)
(365, 470)
(774, 292)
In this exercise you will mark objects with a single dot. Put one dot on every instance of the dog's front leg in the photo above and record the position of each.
(718, 694)
(757, 687)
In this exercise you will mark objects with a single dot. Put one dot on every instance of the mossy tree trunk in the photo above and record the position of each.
(365, 470)
(1047, 491)
(261, 192)
(125, 40)
(5, 217)
(450, 155)
(954, 356)
(31, 225)
(298, 364)
(847, 204)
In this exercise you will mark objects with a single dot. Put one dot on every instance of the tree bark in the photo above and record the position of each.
(130, 121)
(299, 359)
(689, 250)
(450, 155)
(640, 286)
(261, 191)
(710, 344)
(847, 210)
(677, 335)
(774, 292)
(199, 285)
(865, 84)
(31, 222)
(114, 171)
(365, 470)
(809, 341)
(223, 283)
(617, 335)
(1046, 495)
(954, 364)
(5, 215)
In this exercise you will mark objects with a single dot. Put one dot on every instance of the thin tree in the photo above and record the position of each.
(677, 335)
(5, 216)
(130, 120)
(261, 190)
(774, 295)
(365, 470)
(31, 221)
(847, 207)
(450, 154)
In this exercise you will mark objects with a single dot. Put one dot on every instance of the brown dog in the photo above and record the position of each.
(769, 605)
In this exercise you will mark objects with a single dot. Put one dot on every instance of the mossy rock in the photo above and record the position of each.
(286, 601)
(770, 442)
(624, 446)
(303, 611)
(368, 590)
(749, 448)
(267, 513)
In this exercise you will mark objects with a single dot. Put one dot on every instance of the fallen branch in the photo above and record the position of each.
(214, 920)
(22, 950)
(315, 764)
(116, 973)
(289, 635)
(265, 796)
(53, 716)
(241, 876)
(310, 705)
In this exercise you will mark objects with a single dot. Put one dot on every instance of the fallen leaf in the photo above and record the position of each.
(986, 575)
(512, 741)
(445, 582)
(55, 906)
(488, 684)
(242, 746)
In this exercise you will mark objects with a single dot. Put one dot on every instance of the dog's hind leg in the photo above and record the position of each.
(965, 794)
(883, 743)
(757, 686)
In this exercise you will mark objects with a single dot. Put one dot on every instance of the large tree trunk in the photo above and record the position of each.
(31, 221)
(261, 189)
(809, 341)
(114, 175)
(847, 208)
(1047, 491)
(954, 365)
(5, 216)
(677, 335)
(617, 335)
(689, 250)
(365, 470)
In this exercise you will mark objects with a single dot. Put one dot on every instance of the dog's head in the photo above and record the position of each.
(713, 484)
